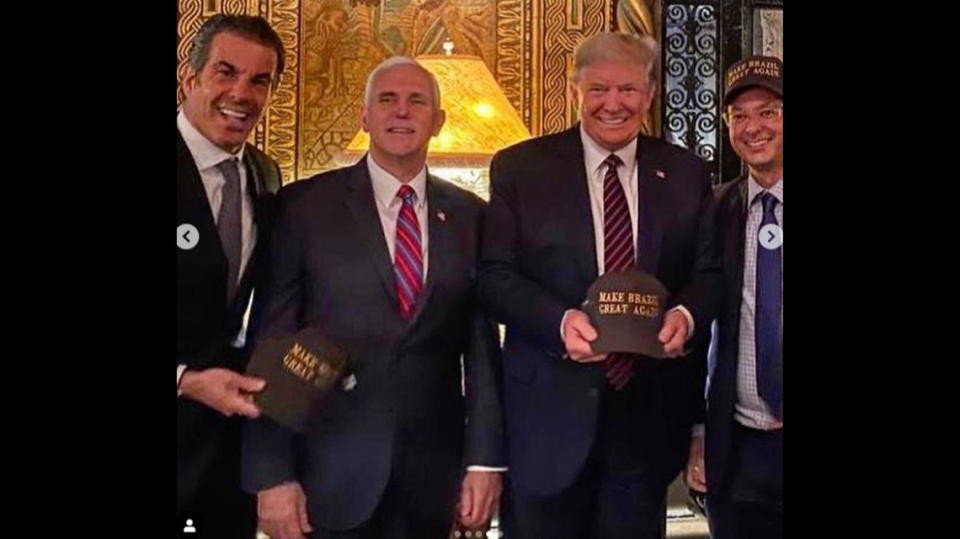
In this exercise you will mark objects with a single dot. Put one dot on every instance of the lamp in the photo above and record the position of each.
(480, 121)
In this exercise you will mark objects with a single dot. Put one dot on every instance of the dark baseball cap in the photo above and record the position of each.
(754, 71)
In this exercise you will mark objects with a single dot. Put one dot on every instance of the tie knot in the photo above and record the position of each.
(407, 194)
(769, 202)
(228, 167)
(612, 161)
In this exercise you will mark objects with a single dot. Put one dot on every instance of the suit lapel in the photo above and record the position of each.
(261, 202)
(193, 207)
(194, 196)
(653, 193)
(574, 198)
(363, 207)
(736, 238)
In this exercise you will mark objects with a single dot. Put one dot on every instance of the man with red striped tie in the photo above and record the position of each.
(594, 440)
(381, 258)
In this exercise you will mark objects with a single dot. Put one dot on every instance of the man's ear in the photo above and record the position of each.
(438, 124)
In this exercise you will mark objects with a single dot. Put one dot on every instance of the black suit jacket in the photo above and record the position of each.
(206, 325)
(722, 398)
(539, 258)
(407, 419)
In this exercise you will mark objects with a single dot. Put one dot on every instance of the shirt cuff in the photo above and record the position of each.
(485, 469)
(562, 320)
(689, 318)
(180, 369)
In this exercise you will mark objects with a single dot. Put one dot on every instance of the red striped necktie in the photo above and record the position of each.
(618, 255)
(408, 257)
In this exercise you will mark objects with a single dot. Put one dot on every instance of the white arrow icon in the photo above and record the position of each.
(771, 237)
(187, 237)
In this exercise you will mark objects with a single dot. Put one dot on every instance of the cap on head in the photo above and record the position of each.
(754, 71)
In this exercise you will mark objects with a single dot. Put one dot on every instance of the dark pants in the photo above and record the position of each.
(621, 492)
(419, 502)
(616, 506)
(208, 478)
(750, 504)
(399, 516)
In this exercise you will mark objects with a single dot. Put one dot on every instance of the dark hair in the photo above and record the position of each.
(250, 27)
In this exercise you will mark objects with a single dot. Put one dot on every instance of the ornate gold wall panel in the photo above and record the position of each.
(344, 40)
(513, 59)
(558, 27)
(333, 44)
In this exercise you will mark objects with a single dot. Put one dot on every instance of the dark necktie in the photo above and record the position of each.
(618, 255)
(769, 300)
(228, 223)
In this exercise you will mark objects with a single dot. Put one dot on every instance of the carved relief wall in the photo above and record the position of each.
(332, 45)
(768, 32)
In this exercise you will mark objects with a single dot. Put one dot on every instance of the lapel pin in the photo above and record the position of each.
(442, 216)
(661, 174)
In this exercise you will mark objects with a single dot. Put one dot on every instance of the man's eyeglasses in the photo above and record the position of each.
(739, 117)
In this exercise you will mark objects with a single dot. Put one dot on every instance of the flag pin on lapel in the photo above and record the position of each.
(661, 174)
(442, 216)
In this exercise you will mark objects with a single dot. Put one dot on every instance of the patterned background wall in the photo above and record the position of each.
(333, 44)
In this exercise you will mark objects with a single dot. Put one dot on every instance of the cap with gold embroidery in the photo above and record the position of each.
(754, 71)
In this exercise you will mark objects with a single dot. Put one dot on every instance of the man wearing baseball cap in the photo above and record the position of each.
(741, 465)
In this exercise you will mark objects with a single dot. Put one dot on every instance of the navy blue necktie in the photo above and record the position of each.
(768, 313)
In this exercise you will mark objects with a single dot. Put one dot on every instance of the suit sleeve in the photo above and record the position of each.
(701, 295)
(506, 293)
(482, 369)
(268, 449)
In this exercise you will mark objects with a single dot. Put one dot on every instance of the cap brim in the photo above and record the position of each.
(745, 85)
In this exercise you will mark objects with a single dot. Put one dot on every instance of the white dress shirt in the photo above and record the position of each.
(385, 190)
(207, 155)
(750, 410)
(594, 155)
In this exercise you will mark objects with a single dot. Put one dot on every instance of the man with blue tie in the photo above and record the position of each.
(381, 258)
(743, 471)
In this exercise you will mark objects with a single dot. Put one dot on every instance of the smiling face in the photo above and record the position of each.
(401, 116)
(613, 98)
(755, 119)
(226, 99)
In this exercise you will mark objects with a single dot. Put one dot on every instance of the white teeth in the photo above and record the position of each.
(234, 114)
(758, 143)
(616, 121)
(400, 130)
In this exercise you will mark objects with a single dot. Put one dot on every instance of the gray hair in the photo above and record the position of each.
(394, 62)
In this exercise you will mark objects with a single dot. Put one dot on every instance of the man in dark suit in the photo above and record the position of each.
(743, 476)
(381, 258)
(594, 441)
(225, 189)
